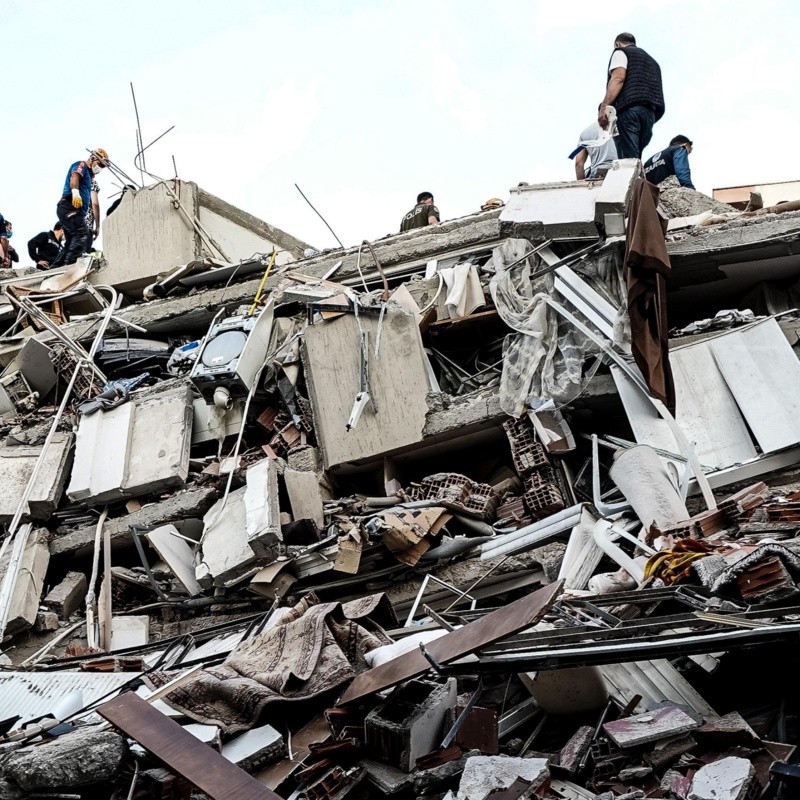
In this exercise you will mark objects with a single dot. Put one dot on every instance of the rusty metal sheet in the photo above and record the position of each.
(499, 624)
(183, 753)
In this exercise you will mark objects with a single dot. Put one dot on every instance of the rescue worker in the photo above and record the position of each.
(45, 247)
(424, 213)
(75, 201)
(674, 160)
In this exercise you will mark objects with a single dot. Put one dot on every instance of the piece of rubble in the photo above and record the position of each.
(16, 467)
(67, 596)
(23, 606)
(46, 621)
(482, 774)
(255, 747)
(398, 382)
(129, 631)
(573, 753)
(188, 504)
(660, 723)
(409, 724)
(727, 779)
(225, 553)
(178, 555)
(305, 496)
(138, 448)
(81, 758)
(730, 730)
(262, 512)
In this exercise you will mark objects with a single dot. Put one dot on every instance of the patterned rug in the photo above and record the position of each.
(315, 647)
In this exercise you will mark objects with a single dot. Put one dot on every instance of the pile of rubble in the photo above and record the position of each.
(403, 520)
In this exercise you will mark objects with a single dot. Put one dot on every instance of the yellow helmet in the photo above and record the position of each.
(101, 154)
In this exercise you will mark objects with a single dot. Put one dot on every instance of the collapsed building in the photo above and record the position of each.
(448, 514)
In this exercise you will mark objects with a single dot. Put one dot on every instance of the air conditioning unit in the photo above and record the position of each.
(232, 353)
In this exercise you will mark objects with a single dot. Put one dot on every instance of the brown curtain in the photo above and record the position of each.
(645, 271)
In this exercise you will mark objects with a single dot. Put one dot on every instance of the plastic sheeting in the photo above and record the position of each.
(546, 359)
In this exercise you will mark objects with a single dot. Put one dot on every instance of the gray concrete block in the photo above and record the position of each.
(24, 604)
(225, 554)
(409, 724)
(138, 448)
(186, 505)
(16, 467)
(82, 758)
(148, 235)
(262, 511)
(398, 379)
(46, 621)
(68, 595)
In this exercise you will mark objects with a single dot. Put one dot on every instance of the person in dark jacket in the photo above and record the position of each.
(75, 201)
(674, 160)
(424, 213)
(634, 89)
(45, 246)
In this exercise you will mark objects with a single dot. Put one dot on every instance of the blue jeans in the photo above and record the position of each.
(635, 129)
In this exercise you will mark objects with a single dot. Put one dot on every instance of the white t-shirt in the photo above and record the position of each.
(602, 156)
(618, 59)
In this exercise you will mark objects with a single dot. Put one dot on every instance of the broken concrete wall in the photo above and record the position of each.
(16, 467)
(137, 448)
(24, 603)
(397, 377)
(148, 234)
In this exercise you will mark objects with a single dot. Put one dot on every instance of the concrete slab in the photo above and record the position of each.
(178, 555)
(148, 234)
(24, 603)
(727, 779)
(225, 555)
(16, 467)
(398, 378)
(68, 595)
(305, 496)
(483, 774)
(187, 505)
(135, 449)
(133, 631)
(262, 511)
(255, 747)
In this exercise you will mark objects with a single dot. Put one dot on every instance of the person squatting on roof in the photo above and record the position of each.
(45, 247)
(674, 160)
(76, 198)
(424, 213)
(634, 89)
(600, 156)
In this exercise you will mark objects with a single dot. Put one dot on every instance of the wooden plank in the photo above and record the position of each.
(763, 373)
(497, 625)
(183, 753)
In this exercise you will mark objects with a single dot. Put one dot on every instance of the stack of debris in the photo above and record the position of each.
(289, 539)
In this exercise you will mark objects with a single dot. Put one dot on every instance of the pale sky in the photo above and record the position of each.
(365, 104)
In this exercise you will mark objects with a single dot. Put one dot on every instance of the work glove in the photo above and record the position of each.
(76, 199)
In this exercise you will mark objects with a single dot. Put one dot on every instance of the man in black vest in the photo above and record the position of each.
(634, 89)
(423, 214)
(672, 161)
